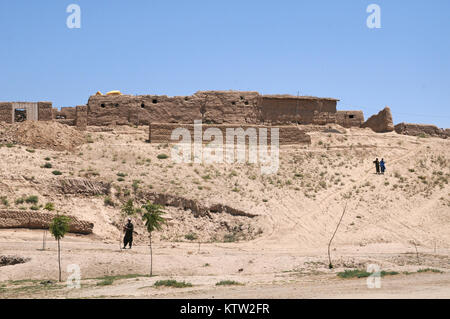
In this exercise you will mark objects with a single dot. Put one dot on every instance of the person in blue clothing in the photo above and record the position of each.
(382, 166)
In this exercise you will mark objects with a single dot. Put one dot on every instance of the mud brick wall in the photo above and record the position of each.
(161, 132)
(68, 112)
(81, 117)
(419, 129)
(6, 112)
(37, 220)
(322, 118)
(281, 109)
(212, 107)
(350, 118)
(45, 111)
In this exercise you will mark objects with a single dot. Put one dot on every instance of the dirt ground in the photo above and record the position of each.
(399, 221)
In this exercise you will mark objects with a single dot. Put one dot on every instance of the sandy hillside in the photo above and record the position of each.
(400, 220)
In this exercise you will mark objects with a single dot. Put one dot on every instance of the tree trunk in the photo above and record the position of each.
(330, 265)
(120, 239)
(151, 256)
(59, 261)
(43, 239)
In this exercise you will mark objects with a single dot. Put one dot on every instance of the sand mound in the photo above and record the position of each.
(46, 135)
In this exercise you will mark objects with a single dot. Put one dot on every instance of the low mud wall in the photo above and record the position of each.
(196, 207)
(288, 135)
(81, 186)
(420, 129)
(38, 220)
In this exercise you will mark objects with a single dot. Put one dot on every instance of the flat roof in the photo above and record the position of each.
(294, 97)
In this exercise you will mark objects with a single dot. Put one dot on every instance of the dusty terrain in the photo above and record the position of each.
(399, 221)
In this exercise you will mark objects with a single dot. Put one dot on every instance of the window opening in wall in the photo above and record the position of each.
(142, 105)
(155, 101)
(351, 116)
(233, 103)
(20, 115)
(116, 105)
(103, 105)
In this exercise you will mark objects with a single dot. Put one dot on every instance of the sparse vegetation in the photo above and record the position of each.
(358, 273)
(228, 283)
(48, 165)
(162, 156)
(172, 283)
(33, 199)
(430, 270)
(108, 201)
(191, 236)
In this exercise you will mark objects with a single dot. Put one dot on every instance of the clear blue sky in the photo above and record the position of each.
(320, 48)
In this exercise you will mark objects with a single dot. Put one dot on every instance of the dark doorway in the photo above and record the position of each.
(20, 115)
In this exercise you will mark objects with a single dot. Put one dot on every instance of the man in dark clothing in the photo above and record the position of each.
(377, 165)
(128, 239)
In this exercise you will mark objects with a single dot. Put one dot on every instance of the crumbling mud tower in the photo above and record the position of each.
(81, 117)
(382, 122)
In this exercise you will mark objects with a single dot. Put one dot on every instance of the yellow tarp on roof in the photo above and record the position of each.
(114, 93)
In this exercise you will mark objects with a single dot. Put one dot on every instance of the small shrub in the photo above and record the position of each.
(358, 273)
(191, 236)
(354, 273)
(56, 173)
(135, 185)
(29, 150)
(229, 238)
(50, 207)
(48, 165)
(4, 201)
(228, 283)
(430, 270)
(172, 283)
(106, 282)
(32, 199)
(162, 156)
(108, 201)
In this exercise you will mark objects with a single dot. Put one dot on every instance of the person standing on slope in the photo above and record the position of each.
(128, 239)
(382, 166)
(377, 165)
